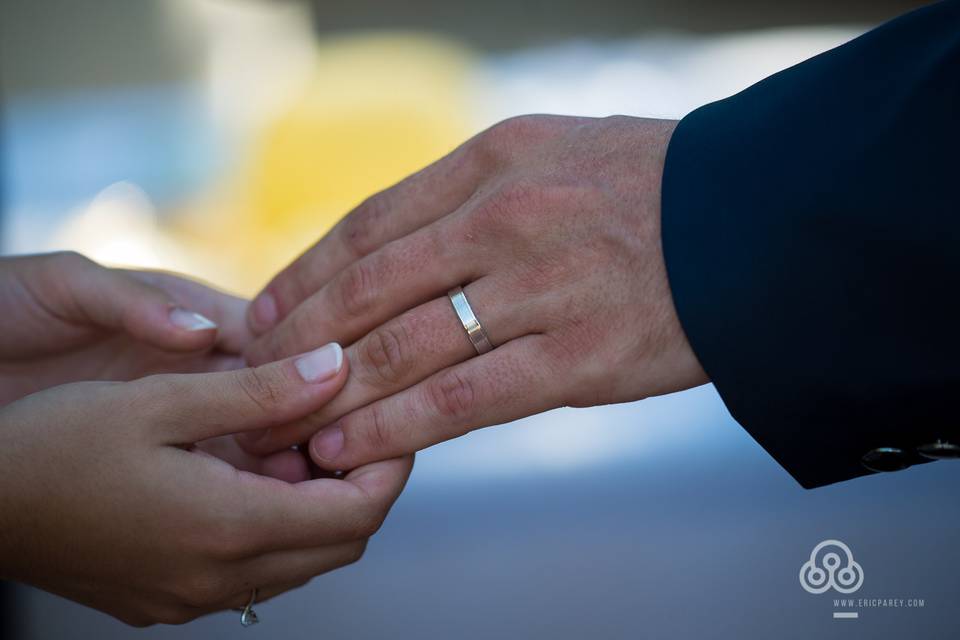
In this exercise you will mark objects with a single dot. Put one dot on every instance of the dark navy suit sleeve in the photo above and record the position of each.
(811, 230)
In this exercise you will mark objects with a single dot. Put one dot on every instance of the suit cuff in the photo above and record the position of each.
(742, 303)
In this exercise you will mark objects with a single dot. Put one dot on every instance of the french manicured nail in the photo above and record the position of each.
(327, 443)
(265, 311)
(190, 320)
(320, 364)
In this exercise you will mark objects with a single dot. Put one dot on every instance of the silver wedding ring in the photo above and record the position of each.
(248, 616)
(478, 337)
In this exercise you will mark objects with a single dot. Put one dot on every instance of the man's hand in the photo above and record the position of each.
(552, 225)
(105, 499)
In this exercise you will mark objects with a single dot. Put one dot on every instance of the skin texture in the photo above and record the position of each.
(552, 225)
(98, 477)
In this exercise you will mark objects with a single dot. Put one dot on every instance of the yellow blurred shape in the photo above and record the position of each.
(377, 108)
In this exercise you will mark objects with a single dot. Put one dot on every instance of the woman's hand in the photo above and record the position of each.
(64, 318)
(552, 225)
(105, 500)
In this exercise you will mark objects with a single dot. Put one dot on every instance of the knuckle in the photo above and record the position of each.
(495, 145)
(50, 277)
(451, 396)
(378, 434)
(136, 621)
(354, 552)
(300, 331)
(135, 615)
(291, 285)
(384, 356)
(367, 523)
(355, 293)
(71, 261)
(368, 517)
(500, 141)
(515, 129)
(618, 121)
(360, 227)
(175, 615)
(492, 218)
(262, 390)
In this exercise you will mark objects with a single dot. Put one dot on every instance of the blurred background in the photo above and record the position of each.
(223, 137)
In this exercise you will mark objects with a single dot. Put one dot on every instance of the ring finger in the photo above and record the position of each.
(407, 350)
(282, 571)
(384, 284)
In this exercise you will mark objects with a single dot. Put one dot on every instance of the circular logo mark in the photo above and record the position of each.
(831, 566)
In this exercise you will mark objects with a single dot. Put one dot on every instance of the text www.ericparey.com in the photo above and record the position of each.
(892, 603)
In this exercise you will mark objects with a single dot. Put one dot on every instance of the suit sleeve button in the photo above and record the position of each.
(885, 459)
(939, 450)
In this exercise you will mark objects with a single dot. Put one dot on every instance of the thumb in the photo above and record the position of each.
(194, 407)
(85, 291)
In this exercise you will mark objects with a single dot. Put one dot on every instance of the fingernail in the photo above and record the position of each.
(190, 320)
(321, 364)
(265, 311)
(327, 443)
